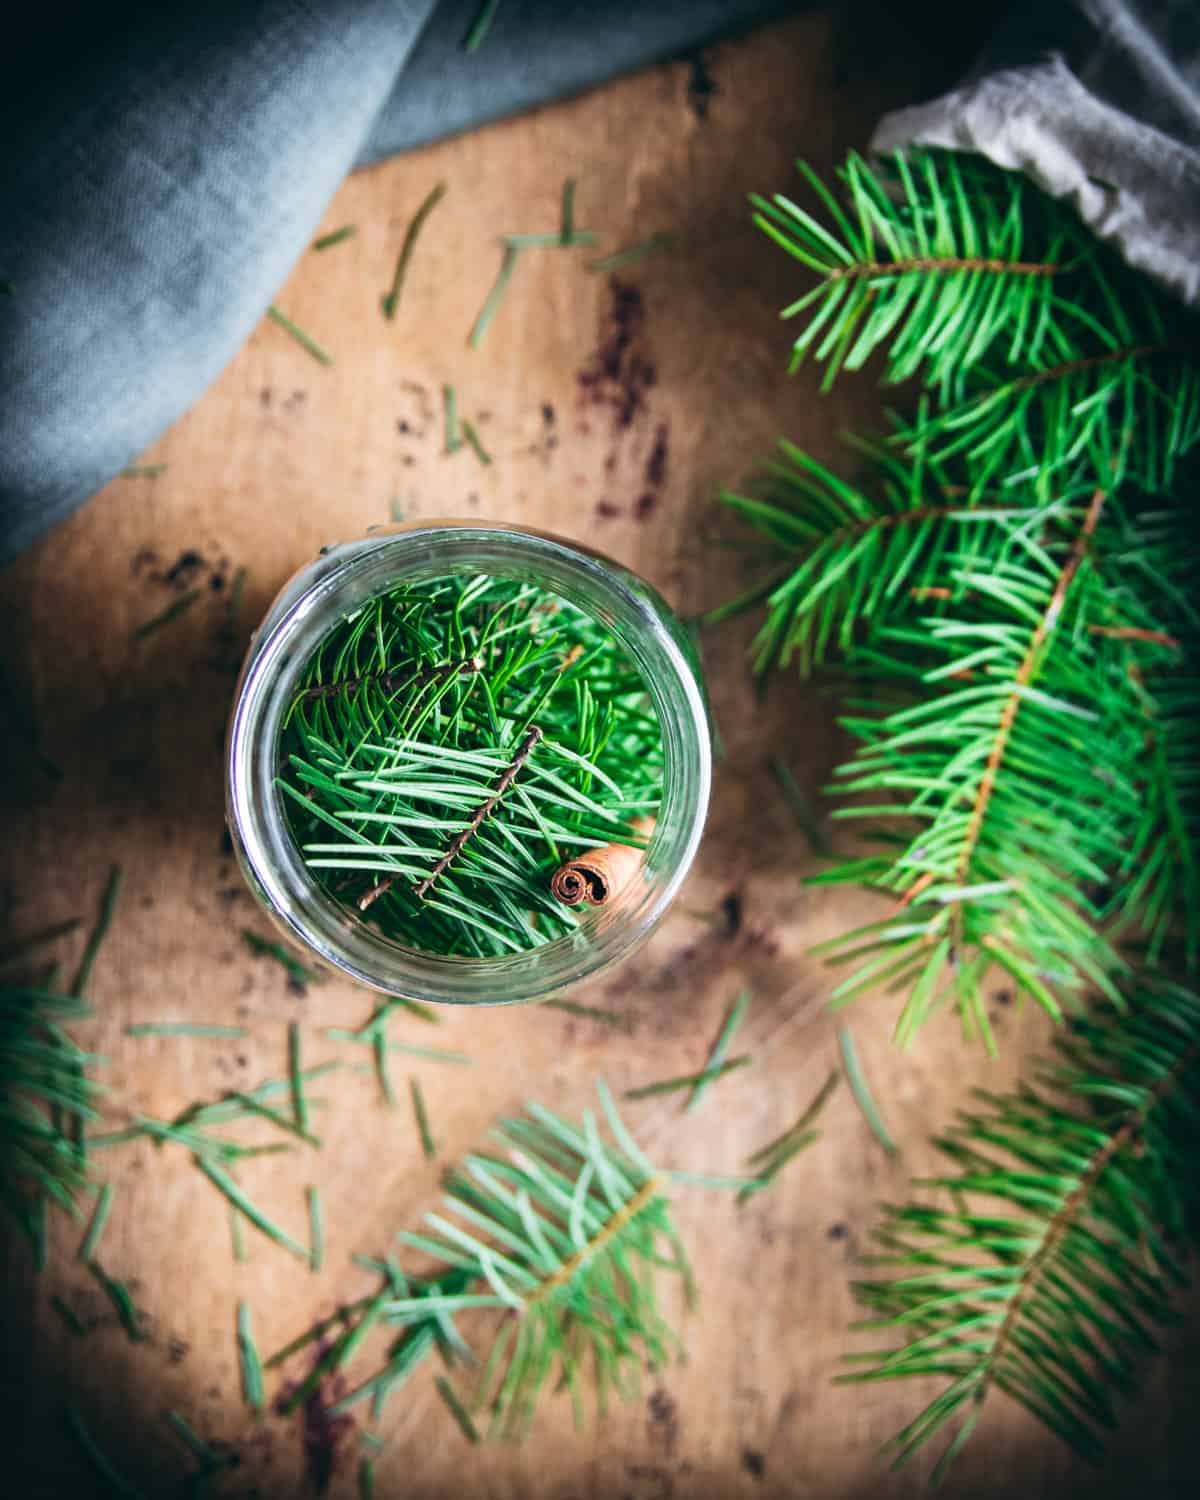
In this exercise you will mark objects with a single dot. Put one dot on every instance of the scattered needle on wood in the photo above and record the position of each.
(316, 1228)
(118, 1294)
(487, 312)
(108, 905)
(631, 253)
(720, 1050)
(299, 972)
(69, 1316)
(183, 1028)
(472, 437)
(450, 406)
(770, 1159)
(674, 1085)
(391, 300)
(457, 1410)
(173, 610)
(798, 803)
(305, 340)
(428, 1144)
(115, 1482)
(91, 1240)
(335, 237)
(862, 1093)
(251, 1365)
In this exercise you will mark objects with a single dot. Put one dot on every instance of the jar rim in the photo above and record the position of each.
(344, 579)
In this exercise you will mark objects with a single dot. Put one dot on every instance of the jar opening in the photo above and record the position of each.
(337, 600)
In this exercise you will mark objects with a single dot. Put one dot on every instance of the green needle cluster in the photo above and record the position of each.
(1008, 584)
(1058, 1254)
(1046, 353)
(452, 744)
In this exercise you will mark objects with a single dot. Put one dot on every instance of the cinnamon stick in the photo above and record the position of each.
(597, 875)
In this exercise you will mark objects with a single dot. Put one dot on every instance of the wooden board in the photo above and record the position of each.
(283, 456)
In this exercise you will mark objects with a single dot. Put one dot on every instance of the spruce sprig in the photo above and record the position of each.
(1021, 686)
(452, 743)
(1073, 1199)
(566, 1235)
(1044, 350)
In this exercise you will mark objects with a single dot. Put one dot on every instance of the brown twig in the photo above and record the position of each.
(1008, 716)
(943, 263)
(1136, 633)
(1074, 366)
(481, 813)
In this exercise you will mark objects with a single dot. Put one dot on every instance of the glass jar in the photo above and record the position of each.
(333, 586)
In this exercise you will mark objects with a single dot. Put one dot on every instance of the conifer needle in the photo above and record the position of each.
(720, 1050)
(431, 1054)
(19, 947)
(450, 408)
(115, 1481)
(334, 237)
(393, 1003)
(225, 1184)
(68, 1314)
(862, 1093)
(296, 1076)
(675, 1085)
(508, 264)
(380, 1050)
(548, 238)
(298, 972)
(422, 1118)
(391, 300)
(118, 1294)
(586, 1012)
(237, 1240)
(108, 906)
(796, 800)
(619, 259)
(191, 1439)
(457, 1410)
(769, 1160)
(475, 443)
(316, 1228)
(251, 1365)
(172, 612)
(91, 1239)
(340, 1352)
(305, 340)
(183, 1028)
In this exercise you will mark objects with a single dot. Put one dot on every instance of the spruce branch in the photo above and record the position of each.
(853, 555)
(1072, 1201)
(565, 1236)
(1026, 712)
(1045, 351)
(936, 255)
(44, 1090)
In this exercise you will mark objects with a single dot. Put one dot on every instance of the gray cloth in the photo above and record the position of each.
(163, 166)
(1098, 101)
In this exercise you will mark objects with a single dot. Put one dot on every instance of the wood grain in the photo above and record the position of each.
(282, 456)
